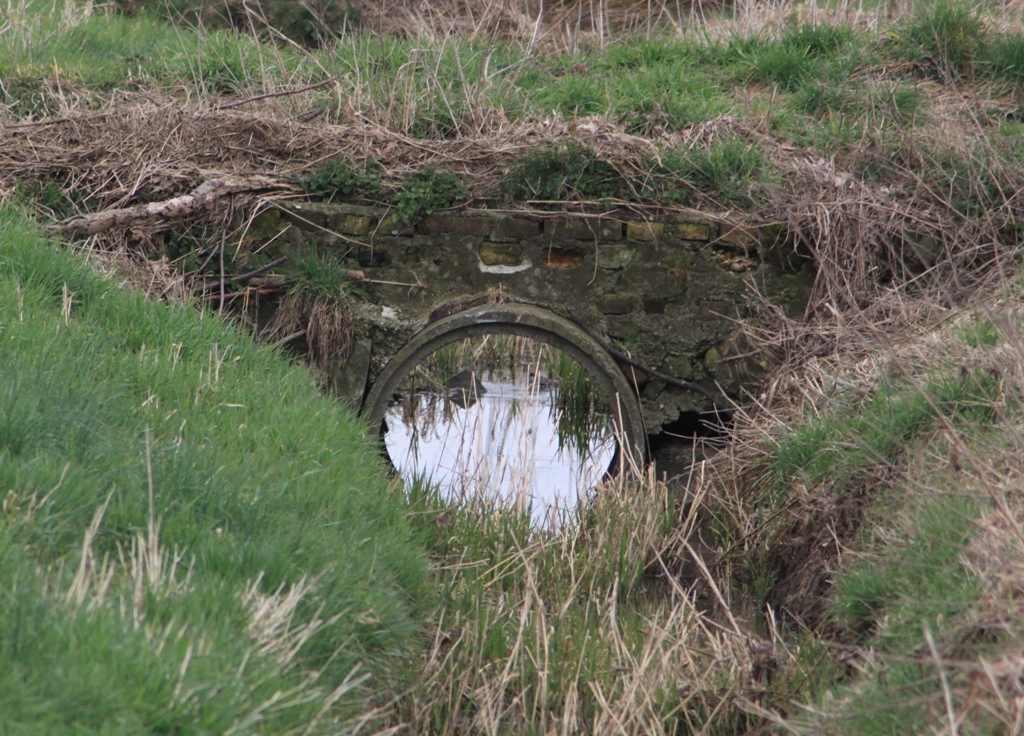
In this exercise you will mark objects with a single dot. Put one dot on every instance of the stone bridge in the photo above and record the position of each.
(666, 292)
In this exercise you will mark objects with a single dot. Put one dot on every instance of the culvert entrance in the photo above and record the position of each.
(504, 381)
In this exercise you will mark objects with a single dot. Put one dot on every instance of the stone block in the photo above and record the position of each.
(351, 224)
(308, 215)
(638, 230)
(717, 310)
(692, 230)
(513, 229)
(678, 366)
(390, 226)
(562, 257)
(739, 235)
(615, 256)
(616, 303)
(585, 229)
(679, 259)
(472, 226)
(501, 254)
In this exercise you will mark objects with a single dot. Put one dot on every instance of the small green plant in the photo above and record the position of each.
(336, 180)
(727, 170)
(321, 276)
(784, 65)
(1005, 59)
(563, 172)
(427, 191)
(819, 39)
(948, 36)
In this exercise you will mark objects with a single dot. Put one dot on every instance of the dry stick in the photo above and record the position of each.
(55, 121)
(305, 117)
(288, 338)
(199, 198)
(223, 241)
(286, 93)
(360, 277)
(719, 403)
(245, 292)
(259, 271)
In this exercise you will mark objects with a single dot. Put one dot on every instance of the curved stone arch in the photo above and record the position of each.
(529, 321)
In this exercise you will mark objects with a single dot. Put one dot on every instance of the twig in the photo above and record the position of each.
(305, 117)
(285, 93)
(358, 276)
(288, 338)
(245, 292)
(259, 271)
(55, 121)
(719, 403)
(223, 241)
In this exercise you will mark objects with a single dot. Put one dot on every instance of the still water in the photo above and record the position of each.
(501, 438)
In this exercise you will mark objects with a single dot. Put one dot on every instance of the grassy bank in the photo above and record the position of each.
(193, 538)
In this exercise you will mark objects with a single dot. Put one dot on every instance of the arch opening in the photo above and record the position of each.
(526, 324)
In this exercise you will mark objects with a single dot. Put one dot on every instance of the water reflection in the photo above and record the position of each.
(524, 429)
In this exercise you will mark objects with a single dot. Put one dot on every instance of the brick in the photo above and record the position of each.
(351, 224)
(717, 310)
(437, 224)
(637, 230)
(615, 303)
(512, 229)
(745, 235)
(561, 257)
(584, 229)
(678, 366)
(390, 226)
(692, 230)
(501, 254)
(308, 215)
(615, 256)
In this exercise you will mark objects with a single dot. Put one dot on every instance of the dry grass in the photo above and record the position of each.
(586, 629)
(155, 148)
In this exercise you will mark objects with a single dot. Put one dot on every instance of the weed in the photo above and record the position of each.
(1004, 59)
(563, 172)
(426, 191)
(784, 65)
(335, 180)
(948, 37)
(728, 169)
(819, 39)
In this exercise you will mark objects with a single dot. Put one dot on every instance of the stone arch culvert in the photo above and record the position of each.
(612, 291)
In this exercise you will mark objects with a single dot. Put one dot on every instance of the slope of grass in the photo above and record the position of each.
(158, 421)
(913, 488)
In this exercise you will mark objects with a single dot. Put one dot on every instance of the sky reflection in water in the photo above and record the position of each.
(502, 449)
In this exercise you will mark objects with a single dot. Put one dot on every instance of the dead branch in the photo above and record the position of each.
(285, 93)
(202, 197)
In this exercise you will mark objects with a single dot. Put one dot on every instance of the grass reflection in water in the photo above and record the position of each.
(502, 421)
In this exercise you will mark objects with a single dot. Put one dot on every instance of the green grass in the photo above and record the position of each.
(821, 87)
(252, 476)
(907, 580)
(839, 446)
